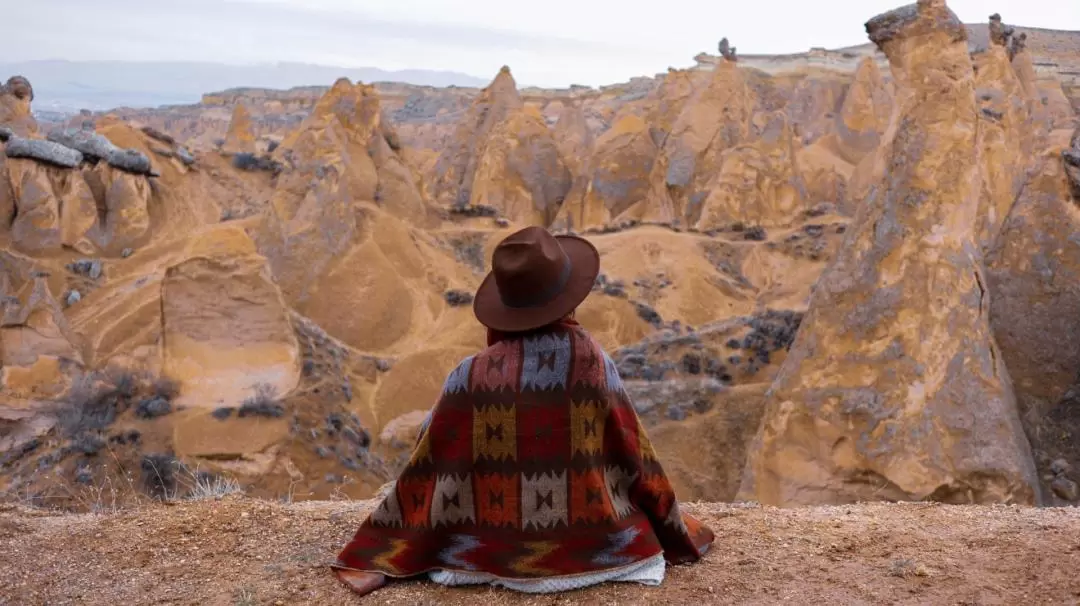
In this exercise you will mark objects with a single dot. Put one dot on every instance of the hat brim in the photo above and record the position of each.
(585, 266)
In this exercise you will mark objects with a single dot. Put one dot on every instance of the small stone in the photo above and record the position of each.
(185, 156)
(1065, 488)
(360, 438)
(222, 413)
(72, 298)
(458, 298)
(675, 413)
(152, 408)
(127, 252)
(86, 267)
(84, 475)
(1060, 467)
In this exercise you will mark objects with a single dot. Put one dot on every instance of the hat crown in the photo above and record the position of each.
(530, 268)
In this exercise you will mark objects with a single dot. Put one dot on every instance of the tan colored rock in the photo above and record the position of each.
(759, 183)
(1033, 275)
(38, 352)
(126, 200)
(504, 156)
(53, 207)
(1005, 137)
(714, 119)
(339, 164)
(894, 388)
(619, 177)
(865, 113)
(241, 135)
(226, 328)
(520, 172)
(574, 139)
(15, 98)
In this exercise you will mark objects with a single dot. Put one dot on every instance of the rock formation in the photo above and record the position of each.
(503, 157)
(1033, 275)
(241, 137)
(758, 183)
(864, 114)
(727, 51)
(38, 354)
(714, 119)
(52, 206)
(225, 326)
(619, 176)
(95, 147)
(57, 202)
(15, 98)
(338, 162)
(999, 32)
(716, 196)
(1005, 136)
(894, 388)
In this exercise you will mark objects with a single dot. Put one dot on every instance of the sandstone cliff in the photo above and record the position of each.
(894, 388)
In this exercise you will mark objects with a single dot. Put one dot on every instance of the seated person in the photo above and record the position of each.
(532, 471)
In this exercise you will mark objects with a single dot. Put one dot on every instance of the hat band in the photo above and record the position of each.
(545, 296)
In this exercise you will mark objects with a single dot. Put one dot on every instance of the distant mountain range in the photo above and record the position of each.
(68, 86)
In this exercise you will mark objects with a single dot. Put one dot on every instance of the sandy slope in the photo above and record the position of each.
(240, 551)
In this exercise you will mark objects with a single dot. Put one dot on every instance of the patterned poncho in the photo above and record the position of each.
(532, 464)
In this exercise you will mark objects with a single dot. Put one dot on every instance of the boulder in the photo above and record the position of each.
(44, 151)
(132, 161)
(894, 388)
(89, 143)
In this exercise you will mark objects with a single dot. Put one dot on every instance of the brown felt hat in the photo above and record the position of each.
(536, 278)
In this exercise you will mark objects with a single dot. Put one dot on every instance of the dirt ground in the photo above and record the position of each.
(241, 552)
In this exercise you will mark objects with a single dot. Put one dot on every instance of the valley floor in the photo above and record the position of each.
(241, 552)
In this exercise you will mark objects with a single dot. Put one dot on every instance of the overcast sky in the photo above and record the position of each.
(546, 43)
